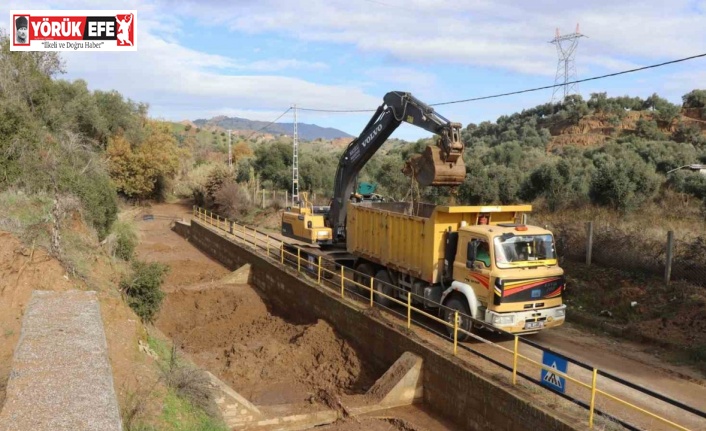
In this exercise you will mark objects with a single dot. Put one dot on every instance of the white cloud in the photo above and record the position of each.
(282, 64)
(511, 34)
(405, 78)
(176, 80)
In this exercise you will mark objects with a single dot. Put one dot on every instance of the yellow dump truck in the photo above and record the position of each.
(480, 260)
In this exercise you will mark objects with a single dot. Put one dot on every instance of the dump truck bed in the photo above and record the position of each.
(411, 237)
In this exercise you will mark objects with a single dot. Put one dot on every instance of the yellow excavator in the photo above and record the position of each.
(439, 165)
(306, 222)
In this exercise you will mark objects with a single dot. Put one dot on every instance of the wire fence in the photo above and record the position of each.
(672, 255)
(599, 392)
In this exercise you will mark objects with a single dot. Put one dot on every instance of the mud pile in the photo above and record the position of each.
(229, 330)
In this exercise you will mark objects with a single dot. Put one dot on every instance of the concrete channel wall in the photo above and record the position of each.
(451, 389)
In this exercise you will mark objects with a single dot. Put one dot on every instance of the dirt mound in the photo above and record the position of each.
(228, 329)
(370, 424)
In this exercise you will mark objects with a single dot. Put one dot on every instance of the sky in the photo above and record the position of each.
(256, 58)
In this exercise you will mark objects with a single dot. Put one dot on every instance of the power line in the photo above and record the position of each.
(522, 91)
(268, 124)
(336, 110)
(571, 82)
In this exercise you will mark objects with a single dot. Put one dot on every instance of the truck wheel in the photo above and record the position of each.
(384, 288)
(366, 271)
(464, 323)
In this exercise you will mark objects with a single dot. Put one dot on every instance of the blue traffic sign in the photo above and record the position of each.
(550, 379)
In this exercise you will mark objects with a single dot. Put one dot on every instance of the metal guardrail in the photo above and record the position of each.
(320, 270)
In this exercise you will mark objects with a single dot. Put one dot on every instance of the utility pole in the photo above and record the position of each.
(566, 67)
(295, 161)
(230, 153)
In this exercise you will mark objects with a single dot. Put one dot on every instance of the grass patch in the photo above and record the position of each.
(158, 346)
(27, 216)
(180, 415)
(189, 403)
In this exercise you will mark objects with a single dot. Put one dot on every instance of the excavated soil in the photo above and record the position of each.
(370, 424)
(224, 326)
(228, 329)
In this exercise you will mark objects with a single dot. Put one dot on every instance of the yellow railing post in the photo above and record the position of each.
(409, 310)
(343, 284)
(593, 398)
(372, 291)
(455, 332)
(299, 259)
(318, 278)
(514, 361)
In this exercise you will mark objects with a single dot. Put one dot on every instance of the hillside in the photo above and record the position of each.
(598, 128)
(306, 131)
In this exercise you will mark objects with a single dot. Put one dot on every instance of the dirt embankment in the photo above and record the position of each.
(228, 329)
(24, 269)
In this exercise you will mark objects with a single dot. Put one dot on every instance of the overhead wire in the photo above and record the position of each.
(652, 66)
(473, 99)
(268, 124)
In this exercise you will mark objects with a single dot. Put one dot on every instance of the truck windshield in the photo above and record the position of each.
(519, 250)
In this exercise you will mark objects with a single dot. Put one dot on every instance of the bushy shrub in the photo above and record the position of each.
(695, 99)
(98, 197)
(143, 288)
(233, 200)
(622, 183)
(125, 240)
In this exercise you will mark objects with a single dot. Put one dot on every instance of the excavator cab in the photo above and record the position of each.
(440, 165)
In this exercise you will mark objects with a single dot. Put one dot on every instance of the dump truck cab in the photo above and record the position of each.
(510, 275)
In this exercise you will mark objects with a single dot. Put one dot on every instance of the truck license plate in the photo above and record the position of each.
(534, 325)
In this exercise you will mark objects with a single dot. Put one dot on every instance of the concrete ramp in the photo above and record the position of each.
(61, 378)
(239, 276)
(401, 385)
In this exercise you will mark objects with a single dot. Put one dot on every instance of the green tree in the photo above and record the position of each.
(695, 99)
(624, 183)
(649, 129)
(274, 163)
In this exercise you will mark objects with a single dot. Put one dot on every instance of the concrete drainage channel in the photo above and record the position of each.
(398, 369)
(285, 374)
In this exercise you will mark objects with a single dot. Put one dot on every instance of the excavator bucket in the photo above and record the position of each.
(430, 169)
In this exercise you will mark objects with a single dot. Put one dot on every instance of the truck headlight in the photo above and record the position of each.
(503, 320)
(322, 233)
(560, 312)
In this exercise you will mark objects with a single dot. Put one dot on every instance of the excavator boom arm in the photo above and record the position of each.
(438, 166)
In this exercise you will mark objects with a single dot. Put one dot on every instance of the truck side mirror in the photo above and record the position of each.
(471, 253)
